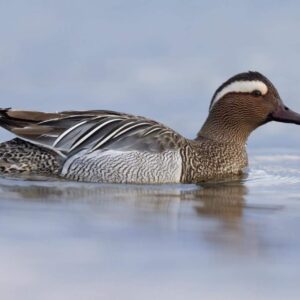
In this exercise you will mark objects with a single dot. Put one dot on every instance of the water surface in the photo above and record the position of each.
(226, 240)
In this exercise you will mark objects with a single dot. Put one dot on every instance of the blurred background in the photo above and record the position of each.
(160, 59)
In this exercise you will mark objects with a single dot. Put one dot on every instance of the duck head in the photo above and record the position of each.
(243, 103)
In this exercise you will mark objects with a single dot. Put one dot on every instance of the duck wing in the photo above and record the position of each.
(69, 132)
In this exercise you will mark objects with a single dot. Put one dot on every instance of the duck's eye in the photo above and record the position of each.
(256, 93)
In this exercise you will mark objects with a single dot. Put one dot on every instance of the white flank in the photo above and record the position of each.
(241, 87)
(129, 166)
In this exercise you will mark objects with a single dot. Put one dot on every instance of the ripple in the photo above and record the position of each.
(277, 157)
(265, 177)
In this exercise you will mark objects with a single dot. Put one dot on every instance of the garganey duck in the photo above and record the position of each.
(112, 147)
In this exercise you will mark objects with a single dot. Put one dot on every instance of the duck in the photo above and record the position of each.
(110, 147)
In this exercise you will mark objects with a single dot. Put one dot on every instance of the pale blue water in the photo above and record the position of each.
(231, 240)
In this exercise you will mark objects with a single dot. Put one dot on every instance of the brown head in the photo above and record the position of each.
(241, 104)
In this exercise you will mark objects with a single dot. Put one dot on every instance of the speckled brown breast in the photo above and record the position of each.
(205, 160)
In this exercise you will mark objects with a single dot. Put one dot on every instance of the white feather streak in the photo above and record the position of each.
(116, 131)
(92, 132)
(67, 132)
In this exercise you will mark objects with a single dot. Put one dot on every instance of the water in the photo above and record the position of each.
(227, 240)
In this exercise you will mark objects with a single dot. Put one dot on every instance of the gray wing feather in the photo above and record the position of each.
(70, 132)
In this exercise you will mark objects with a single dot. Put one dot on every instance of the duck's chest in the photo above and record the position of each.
(208, 162)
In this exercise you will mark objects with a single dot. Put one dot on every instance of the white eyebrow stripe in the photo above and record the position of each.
(246, 86)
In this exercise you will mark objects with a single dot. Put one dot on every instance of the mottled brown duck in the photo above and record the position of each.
(112, 147)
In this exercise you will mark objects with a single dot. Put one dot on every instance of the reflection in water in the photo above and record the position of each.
(190, 206)
(224, 200)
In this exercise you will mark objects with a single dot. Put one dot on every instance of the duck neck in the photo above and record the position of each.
(225, 129)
